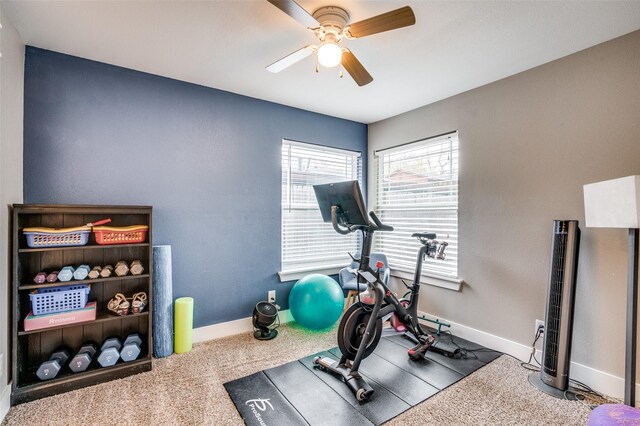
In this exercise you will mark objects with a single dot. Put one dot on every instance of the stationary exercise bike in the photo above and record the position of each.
(361, 326)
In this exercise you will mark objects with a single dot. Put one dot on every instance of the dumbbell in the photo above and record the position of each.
(81, 272)
(106, 271)
(95, 272)
(109, 352)
(136, 268)
(66, 273)
(83, 358)
(122, 268)
(131, 347)
(50, 369)
(52, 277)
(40, 278)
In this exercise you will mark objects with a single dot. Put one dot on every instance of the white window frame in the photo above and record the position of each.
(402, 262)
(290, 268)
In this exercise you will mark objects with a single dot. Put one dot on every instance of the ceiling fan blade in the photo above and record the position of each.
(398, 18)
(296, 11)
(291, 59)
(355, 68)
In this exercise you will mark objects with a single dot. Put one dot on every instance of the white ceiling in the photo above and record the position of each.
(454, 46)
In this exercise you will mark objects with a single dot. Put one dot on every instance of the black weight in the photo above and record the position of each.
(352, 328)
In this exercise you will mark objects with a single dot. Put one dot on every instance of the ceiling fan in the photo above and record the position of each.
(330, 25)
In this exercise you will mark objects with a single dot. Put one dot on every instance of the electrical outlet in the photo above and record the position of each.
(272, 296)
(539, 323)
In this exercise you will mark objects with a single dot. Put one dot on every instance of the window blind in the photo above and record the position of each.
(417, 191)
(307, 242)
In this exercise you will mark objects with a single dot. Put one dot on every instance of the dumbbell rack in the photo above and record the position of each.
(30, 348)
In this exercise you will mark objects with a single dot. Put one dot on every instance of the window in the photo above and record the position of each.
(417, 191)
(307, 242)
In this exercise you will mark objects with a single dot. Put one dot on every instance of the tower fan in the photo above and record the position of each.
(553, 377)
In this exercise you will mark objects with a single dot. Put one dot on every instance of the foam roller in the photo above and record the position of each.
(162, 302)
(183, 324)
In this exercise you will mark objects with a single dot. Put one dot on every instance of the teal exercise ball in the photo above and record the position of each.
(316, 301)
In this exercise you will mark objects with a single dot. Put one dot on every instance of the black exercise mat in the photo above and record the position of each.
(401, 383)
(258, 401)
(387, 404)
(298, 393)
(300, 387)
(437, 375)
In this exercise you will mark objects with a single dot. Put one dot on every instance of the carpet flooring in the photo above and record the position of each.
(187, 389)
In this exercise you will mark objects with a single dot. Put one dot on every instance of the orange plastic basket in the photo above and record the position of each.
(107, 235)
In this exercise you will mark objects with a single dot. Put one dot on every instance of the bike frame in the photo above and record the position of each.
(408, 315)
(385, 303)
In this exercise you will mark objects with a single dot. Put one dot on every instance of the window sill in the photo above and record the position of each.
(296, 274)
(454, 284)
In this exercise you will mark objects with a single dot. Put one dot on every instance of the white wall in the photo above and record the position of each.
(527, 145)
(11, 111)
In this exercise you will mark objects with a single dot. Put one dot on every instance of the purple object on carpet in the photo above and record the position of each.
(614, 414)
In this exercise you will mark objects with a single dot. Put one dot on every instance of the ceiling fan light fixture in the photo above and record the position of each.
(331, 24)
(329, 54)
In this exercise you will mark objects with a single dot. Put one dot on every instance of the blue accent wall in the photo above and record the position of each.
(208, 161)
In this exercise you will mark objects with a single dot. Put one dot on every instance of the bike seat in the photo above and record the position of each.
(424, 235)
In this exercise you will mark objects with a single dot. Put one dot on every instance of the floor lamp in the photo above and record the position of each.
(616, 204)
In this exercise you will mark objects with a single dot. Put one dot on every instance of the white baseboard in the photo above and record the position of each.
(600, 381)
(224, 329)
(5, 402)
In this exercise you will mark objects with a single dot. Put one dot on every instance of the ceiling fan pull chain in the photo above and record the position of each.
(341, 75)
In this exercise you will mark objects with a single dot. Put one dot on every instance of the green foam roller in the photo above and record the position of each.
(183, 325)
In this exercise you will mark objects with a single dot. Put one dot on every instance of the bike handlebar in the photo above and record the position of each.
(379, 224)
(344, 230)
(334, 222)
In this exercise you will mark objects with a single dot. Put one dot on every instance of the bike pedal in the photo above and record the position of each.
(419, 351)
(414, 355)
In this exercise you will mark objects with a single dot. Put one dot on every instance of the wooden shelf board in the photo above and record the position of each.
(81, 209)
(86, 247)
(74, 282)
(94, 372)
(100, 317)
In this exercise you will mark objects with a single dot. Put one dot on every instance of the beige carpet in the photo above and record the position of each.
(187, 389)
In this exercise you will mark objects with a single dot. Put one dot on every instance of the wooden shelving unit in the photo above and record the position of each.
(30, 348)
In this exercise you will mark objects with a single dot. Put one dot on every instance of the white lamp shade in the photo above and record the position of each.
(613, 203)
